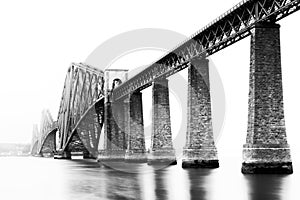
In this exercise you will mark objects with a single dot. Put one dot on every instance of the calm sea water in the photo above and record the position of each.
(46, 178)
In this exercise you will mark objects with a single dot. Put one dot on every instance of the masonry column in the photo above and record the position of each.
(109, 129)
(126, 122)
(119, 136)
(136, 151)
(266, 149)
(200, 150)
(162, 150)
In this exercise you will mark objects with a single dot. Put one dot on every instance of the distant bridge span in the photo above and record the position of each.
(44, 139)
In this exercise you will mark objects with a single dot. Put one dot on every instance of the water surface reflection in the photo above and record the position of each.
(198, 185)
(40, 178)
(265, 187)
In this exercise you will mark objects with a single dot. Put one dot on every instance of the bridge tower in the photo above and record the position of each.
(266, 149)
(115, 133)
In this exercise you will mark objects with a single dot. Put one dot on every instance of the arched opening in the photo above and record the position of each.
(116, 83)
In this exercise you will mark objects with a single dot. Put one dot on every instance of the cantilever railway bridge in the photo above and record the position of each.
(93, 99)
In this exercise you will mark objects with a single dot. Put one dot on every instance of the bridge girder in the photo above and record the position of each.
(232, 26)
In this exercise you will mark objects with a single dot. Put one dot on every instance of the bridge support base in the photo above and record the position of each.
(135, 156)
(111, 155)
(200, 158)
(266, 149)
(62, 155)
(267, 168)
(162, 156)
(200, 150)
(266, 159)
(47, 155)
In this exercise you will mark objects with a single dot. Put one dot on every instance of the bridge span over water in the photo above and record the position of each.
(93, 99)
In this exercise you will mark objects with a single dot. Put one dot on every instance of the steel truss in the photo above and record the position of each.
(232, 26)
(34, 139)
(82, 90)
(47, 125)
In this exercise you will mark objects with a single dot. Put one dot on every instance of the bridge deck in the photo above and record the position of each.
(232, 26)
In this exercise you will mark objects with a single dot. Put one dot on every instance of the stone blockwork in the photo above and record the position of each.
(162, 150)
(200, 150)
(266, 149)
(113, 150)
(118, 111)
(136, 151)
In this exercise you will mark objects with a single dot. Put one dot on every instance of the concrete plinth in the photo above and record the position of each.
(266, 149)
(136, 151)
(200, 150)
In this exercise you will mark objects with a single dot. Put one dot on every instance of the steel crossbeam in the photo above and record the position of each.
(232, 26)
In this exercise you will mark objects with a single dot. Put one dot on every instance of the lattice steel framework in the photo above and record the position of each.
(46, 126)
(48, 142)
(83, 88)
(227, 29)
(34, 139)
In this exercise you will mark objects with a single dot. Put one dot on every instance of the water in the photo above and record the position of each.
(46, 178)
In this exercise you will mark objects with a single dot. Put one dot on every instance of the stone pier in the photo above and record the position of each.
(200, 150)
(113, 151)
(266, 149)
(162, 151)
(136, 151)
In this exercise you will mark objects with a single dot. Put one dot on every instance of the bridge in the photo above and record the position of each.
(93, 99)
(44, 140)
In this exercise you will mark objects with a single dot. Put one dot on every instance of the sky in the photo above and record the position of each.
(39, 40)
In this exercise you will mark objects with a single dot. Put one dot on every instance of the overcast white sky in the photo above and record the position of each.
(39, 39)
